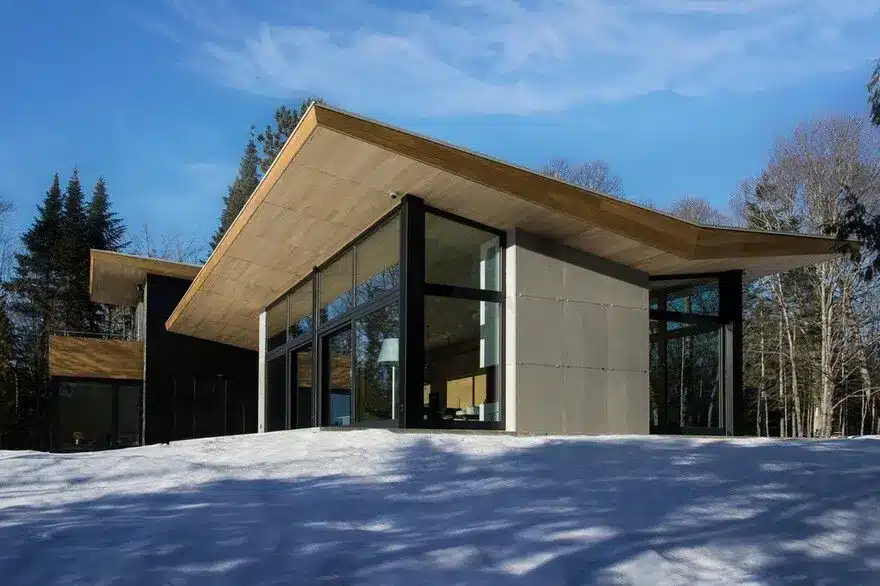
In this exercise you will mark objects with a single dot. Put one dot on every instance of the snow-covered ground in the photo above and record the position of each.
(375, 507)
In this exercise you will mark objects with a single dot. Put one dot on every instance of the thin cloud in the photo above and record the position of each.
(517, 57)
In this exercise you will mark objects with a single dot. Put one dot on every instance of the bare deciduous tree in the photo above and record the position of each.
(825, 314)
(594, 175)
(697, 210)
(170, 245)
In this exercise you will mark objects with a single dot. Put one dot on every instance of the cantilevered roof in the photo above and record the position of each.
(115, 276)
(333, 178)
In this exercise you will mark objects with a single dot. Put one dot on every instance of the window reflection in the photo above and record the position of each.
(378, 262)
(697, 296)
(337, 389)
(276, 400)
(301, 388)
(377, 369)
(276, 325)
(334, 290)
(461, 255)
(692, 380)
(299, 311)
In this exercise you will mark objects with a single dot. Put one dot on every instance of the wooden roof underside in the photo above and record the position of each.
(332, 180)
(114, 276)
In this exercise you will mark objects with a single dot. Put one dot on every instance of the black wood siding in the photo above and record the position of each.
(194, 387)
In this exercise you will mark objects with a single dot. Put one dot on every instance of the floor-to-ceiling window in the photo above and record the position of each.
(462, 344)
(340, 356)
(690, 361)
(339, 347)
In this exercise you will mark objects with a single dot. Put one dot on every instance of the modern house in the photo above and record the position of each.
(157, 387)
(380, 278)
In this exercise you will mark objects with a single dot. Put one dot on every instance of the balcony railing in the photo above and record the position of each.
(95, 335)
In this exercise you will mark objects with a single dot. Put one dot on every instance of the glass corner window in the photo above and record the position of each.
(461, 255)
(700, 297)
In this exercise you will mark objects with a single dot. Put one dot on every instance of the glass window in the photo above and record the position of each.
(699, 296)
(461, 255)
(334, 290)
(376, 365)
(337, 372)
(461, 359)
(276, 394)
(276, 325)
(692, 379)
(129, 415)
(378, 262)
(86, 415)
(301, 388)
(299, 311)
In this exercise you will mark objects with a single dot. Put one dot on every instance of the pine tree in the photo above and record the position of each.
(273, 139)
(35, 287)
(36, 299)
(106, 231)
(106, 228)
(254, 164)
(75, 258)
(241, 189)
(8, 376)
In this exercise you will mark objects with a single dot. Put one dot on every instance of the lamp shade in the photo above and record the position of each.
(388, 352)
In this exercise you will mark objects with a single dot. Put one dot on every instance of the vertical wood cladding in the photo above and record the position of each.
(194, 387)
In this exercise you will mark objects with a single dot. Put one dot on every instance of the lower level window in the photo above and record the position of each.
(98, 415)
(461, 360)
(686, 378)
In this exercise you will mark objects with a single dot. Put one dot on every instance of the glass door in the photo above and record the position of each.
(336, 378)
(301, 387)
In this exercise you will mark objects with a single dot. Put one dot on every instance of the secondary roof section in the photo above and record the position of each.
(114, 276)
(332, 180)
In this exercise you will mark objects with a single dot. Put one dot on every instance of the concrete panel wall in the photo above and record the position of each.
(576, 341)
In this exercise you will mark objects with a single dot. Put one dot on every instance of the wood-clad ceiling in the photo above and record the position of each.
(114, 276)
(334, 177)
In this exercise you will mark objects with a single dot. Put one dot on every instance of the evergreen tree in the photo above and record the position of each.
(106, 229)
(272, 139)
(8, 376)
(35, 287)
(36, 299)
(75, 258)
(240, 190)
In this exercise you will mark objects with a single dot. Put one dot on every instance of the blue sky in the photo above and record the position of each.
(681, 97)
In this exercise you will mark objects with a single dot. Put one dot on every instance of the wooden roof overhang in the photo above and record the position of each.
(333, 179)
(114, 276)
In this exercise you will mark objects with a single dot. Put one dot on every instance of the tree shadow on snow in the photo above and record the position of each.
(558, 512)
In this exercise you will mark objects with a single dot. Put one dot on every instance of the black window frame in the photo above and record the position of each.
(410, 294)
(729, 324)
(116, 384)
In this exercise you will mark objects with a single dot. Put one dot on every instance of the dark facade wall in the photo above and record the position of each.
(193, 387)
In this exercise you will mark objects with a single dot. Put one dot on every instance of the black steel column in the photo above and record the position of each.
(412, 313)
(730, 288)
